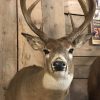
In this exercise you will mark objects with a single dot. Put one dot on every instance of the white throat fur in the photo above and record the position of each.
(49, 82)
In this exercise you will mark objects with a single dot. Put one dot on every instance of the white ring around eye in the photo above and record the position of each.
(70, 56)
(47, 55)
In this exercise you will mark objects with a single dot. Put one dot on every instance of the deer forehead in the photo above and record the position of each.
(55, 44)
(60, 53)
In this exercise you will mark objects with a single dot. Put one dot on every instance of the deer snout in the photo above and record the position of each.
(59, 65)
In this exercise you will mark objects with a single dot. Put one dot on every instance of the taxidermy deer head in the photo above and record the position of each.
(52, 82)
(58, 52)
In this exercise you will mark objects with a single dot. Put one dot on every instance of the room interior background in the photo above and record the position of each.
(15, 52)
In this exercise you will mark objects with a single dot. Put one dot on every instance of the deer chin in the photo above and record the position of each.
(58, 74)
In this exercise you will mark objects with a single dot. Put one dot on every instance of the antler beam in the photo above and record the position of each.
(88, 17)
(27, 15)
(88, 12)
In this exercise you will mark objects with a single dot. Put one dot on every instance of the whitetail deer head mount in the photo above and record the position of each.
(58, 52)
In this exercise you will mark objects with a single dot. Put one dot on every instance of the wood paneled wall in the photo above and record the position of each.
(15, 52)
(8, 43)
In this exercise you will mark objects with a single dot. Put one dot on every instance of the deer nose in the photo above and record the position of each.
(59, 65)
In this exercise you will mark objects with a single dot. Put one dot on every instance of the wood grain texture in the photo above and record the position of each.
(73, 6)
(8, 43)
(53, 18)
(81, 72)
(78, 90)
(83, 61)
(88, 50)
(75, 18)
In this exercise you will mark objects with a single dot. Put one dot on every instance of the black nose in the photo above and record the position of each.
(59, 65)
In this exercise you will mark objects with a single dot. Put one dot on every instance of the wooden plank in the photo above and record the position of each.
(53, 18)
(82, 66)
(88, 50)
(81, 72)
(78, 90)
(72, 6)
(75, 18)
(83, 61)
(28, 56)
(8, 43)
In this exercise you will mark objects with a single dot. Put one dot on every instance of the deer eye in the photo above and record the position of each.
(46, 51)
(71, 50)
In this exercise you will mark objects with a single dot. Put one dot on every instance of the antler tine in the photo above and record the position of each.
(41, 27)
(27, 16)
(32, 6)
(72, 22)
(88, 17)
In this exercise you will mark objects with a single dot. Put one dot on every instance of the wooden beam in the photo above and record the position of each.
(53, 18)
(8, 43)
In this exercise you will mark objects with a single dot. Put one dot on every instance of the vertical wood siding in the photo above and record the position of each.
(8, 43)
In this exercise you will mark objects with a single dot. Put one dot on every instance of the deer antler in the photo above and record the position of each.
(88, 17)
(76, 31)
(27, 15)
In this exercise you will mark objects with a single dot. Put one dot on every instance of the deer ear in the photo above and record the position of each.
(81, 40)
(35, 42)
